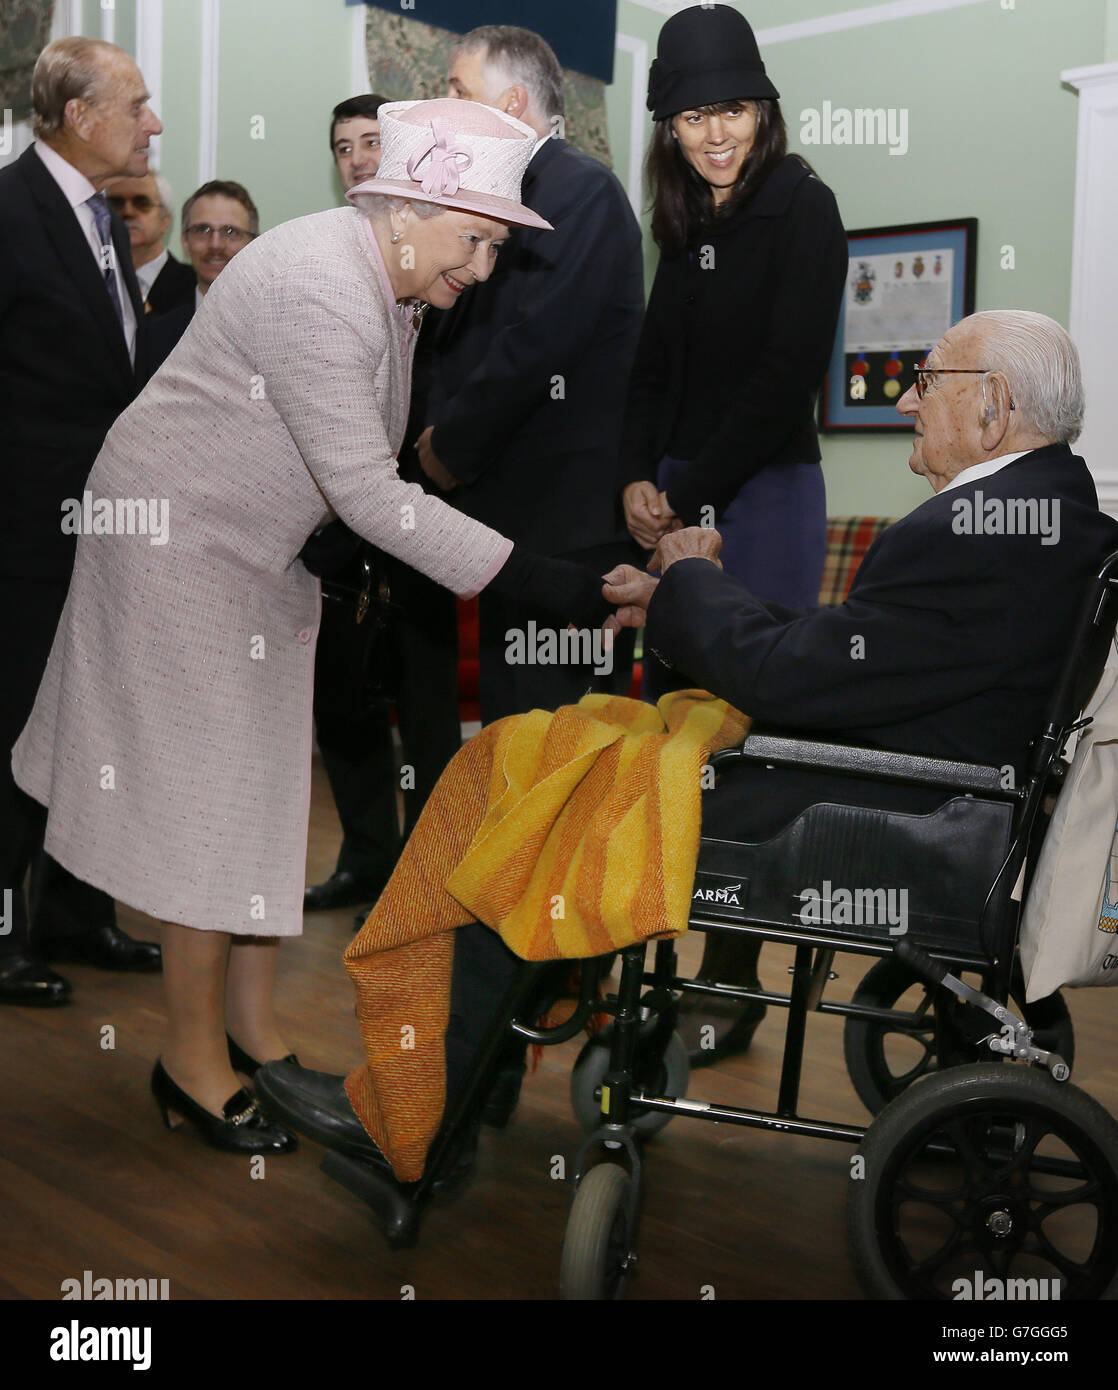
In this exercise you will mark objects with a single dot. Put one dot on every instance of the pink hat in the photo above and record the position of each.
(459, 154)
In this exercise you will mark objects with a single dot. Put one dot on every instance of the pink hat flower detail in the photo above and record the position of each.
(443, 176)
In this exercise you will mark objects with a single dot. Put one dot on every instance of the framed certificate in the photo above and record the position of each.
(905, 287)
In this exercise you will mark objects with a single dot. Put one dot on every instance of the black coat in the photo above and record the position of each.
(539, 456)
(735, 344)
(64, 369)
(173, 286)
(166, 330)
(949, 644)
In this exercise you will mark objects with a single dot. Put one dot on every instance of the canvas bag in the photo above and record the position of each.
(1069, 932)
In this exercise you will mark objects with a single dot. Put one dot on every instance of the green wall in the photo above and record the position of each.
(991, 134)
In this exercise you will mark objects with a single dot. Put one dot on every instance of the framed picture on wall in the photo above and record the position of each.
(905, 287)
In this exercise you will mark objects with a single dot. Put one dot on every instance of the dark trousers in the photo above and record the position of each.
(509, 685)
(420, 649)
(61, 904)
(484, 968)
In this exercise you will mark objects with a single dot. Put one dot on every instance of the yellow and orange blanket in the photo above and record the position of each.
(571, 834)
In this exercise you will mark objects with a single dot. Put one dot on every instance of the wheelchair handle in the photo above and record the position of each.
(920, 962)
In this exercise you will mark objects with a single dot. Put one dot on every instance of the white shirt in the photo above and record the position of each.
(983, 470)
(77, 189)
(149, 273)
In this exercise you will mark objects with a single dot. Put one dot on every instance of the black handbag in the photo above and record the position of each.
(355, 667)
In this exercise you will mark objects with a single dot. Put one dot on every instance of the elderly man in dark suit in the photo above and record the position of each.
(955, 628)
(72, 357)
(528, 392)
(949, 643)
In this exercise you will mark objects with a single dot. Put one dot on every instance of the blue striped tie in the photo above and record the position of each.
(103, 220)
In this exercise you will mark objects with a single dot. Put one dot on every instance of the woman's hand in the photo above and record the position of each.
(647, 513)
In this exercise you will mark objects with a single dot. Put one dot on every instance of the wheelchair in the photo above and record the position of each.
(982, 1157)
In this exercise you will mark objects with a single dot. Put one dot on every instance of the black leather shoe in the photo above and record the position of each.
(25, 980)
(106, 947)
(240, 1128)
(343, 889)
(246, 1065)
(315, 1104)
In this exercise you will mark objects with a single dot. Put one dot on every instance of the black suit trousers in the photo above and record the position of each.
(356, 747)
(63, 905)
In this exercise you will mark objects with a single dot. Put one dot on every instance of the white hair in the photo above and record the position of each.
(1041, 364)
(378, 207)
(163, 186)
(519, 56)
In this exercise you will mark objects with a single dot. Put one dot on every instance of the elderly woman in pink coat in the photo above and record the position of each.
(171, 736)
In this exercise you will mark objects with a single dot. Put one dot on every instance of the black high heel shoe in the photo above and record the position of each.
(240, 1128)
(246, 1065)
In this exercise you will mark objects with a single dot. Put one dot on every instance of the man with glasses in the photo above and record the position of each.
(218, 220)
(145, 207)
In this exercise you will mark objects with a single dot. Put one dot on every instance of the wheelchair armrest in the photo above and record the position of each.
(875, 763)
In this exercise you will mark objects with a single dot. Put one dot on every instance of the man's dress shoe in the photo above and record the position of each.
(314, 1103)
(106, 947)
(344, 889)
(25, 980)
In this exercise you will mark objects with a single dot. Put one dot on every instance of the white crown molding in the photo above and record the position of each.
(638, 125)
(207, 111)
(826, 24)
(358, 52)
(149, 59)
(1082, 78)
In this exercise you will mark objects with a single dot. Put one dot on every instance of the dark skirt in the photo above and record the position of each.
(774, 532)
(774, 538)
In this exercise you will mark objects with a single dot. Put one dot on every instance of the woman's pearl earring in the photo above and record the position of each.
(396, 237)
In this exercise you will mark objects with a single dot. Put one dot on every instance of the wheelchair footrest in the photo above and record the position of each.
(394, 1204)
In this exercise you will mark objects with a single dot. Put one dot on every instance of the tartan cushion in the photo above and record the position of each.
(848, 539)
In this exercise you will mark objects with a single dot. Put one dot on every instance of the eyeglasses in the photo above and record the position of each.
(142, 203)
(924, 373)
(202, 231)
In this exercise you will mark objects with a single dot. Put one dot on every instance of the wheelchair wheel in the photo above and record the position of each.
(883, 1060)
(989, 1173)
(666, 1075)
(597, 1249)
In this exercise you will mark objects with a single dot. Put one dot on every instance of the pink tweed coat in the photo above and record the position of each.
(171, 736)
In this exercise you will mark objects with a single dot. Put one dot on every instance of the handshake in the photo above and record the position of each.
(631, 589)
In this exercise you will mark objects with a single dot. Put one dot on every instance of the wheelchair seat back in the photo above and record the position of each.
(873, 875)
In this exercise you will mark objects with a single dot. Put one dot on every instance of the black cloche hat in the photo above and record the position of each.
(705, 54)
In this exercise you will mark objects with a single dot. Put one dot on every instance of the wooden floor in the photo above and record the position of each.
(89, 1180)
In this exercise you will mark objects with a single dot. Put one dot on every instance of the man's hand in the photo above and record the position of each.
(429, 461)
(647, 513)
(692, 542)
(631, 589)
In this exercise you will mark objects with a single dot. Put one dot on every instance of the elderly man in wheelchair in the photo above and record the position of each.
(884, 801)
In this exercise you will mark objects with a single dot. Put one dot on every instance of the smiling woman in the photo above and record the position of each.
(183, 672)
(441, 253)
